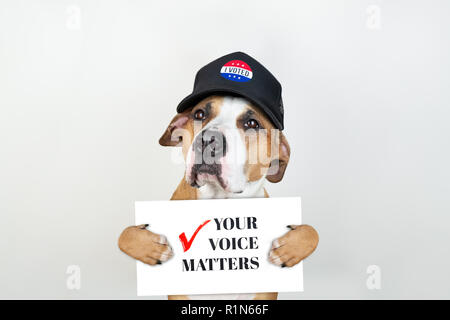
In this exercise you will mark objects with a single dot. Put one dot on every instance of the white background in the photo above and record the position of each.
(82, 109)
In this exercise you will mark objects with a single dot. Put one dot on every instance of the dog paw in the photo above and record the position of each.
(144, 245)
(294, 246)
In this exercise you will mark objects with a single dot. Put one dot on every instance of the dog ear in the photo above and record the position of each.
(279, 164)
(175, 132)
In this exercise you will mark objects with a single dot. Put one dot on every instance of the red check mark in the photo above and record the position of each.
(187, 244)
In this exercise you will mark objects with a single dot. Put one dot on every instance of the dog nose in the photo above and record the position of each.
(210, 143)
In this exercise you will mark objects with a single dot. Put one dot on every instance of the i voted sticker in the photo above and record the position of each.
(236, 70)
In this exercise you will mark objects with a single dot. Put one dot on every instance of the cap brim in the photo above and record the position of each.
(192, 99)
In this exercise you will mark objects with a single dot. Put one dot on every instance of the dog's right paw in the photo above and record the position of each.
(144, 245)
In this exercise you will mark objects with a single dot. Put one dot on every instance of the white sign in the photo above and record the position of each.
(229, 251)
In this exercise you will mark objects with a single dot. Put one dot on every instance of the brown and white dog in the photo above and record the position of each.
(227, 129)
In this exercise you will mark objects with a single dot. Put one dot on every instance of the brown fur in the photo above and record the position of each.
(256, 170)
(184, 192)
(182, 132)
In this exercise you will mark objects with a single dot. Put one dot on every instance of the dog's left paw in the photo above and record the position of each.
(294, 246)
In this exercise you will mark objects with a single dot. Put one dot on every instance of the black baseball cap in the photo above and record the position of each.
(238, 74)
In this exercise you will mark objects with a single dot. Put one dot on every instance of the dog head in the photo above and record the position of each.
(229, 142)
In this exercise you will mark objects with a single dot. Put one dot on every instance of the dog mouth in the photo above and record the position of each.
(202, 173)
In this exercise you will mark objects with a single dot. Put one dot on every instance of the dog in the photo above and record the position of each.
(217, 126)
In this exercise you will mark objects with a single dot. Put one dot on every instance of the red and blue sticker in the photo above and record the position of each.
(236, 70)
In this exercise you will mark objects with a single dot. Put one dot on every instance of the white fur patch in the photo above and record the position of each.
(233, 162)
(162, 239)
(166, 255)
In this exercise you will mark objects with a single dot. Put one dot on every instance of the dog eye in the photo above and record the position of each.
(199, 115)
(251, 124)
